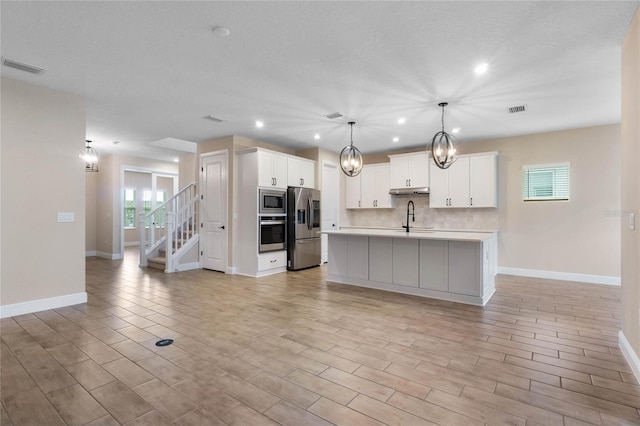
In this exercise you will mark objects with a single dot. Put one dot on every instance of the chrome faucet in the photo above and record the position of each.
(412, 214)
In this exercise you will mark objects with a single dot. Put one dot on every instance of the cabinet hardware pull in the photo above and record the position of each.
(471, 200)
(409, 182)
(273, 261)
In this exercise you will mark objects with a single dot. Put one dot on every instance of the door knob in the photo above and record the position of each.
(221, 227)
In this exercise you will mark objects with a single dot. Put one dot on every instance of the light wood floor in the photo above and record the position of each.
(292, 349)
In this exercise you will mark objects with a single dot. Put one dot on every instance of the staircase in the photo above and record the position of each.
(170, 231)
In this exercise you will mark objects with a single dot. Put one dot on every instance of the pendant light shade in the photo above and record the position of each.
(442, 145)
(350, 158)
(90, 158)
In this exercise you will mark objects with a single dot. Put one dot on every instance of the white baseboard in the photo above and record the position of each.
(132, 243)
(629, 354)
(187, 266)
(231, 270)
(109, 256)
(90, 253)
(42, 304)
(562, 276)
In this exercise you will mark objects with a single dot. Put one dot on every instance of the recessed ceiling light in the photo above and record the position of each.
(455, 130)
(402, 120)
(259, 124)
(396, 139)
(221, 31)
(177, 160)
(210, 117)
(333, 115)
(481, 68)
(316, 136)
(116, 142)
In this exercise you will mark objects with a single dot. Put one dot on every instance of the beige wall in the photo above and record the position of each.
(90, 212)
(43, 133)
(187, 170)
(580, 236)
(631, 184)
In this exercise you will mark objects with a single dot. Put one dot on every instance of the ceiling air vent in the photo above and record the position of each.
(214, 119)
(22, 67)
(333, 115)
(515, 109)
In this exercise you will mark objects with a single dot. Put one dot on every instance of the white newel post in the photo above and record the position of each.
(143, 242)
(170, 228)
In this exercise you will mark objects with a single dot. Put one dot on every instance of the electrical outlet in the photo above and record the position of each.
(632, 221)
(65, 217)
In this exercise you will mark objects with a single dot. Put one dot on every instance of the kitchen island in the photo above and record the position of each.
(458, 266)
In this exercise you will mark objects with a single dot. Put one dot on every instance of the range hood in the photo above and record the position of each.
(409, 191)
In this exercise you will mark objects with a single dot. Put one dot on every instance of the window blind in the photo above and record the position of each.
(545, 182)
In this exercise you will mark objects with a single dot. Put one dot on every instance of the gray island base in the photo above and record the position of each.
(446, 265)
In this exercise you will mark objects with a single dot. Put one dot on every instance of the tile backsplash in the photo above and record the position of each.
(477, 219)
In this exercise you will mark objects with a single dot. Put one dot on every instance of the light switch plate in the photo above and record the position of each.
(632, 221)
(65, 217)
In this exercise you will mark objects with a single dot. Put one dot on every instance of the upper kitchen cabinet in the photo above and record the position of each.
(272, 169)
(301, 172)
(471, 181)
(483, 180)
(353, 192)
(409, 170)
(375, 186)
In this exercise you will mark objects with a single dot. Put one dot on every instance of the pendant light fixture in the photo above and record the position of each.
(350, 157)
(442, 145)
(90, 158)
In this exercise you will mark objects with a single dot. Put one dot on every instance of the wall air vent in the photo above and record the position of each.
(515, 109)
(333, 115)
(214, 119)
(22, 67)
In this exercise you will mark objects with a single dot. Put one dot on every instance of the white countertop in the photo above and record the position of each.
(417, 233)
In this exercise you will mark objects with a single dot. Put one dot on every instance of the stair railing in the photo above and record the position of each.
(170, 225)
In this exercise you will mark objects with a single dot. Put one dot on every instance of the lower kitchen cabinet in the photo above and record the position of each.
(464, 264)
(405, 262)
(272, 260)
(349, 256)
(381, 259)
(447, 269)
(434, 265)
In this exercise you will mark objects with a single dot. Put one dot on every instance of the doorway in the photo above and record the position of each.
(214, 241)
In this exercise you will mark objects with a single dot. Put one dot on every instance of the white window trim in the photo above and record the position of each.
(548, 166)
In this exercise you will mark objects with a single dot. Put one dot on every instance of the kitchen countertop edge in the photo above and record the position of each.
(419, 233)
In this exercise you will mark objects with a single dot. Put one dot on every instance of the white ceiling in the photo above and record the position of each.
(151, 70)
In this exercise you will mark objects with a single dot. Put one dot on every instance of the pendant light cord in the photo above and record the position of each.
(442, 118)
(351, 124)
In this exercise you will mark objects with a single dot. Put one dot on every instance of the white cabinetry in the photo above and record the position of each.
(483, 181)
(370, 189)
(471, 181)
(409, 170)
(300, 172)
(375, 186)
(272, 169)
(273, 260)
(353, 193)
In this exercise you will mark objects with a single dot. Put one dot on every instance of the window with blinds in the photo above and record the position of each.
(545, 182)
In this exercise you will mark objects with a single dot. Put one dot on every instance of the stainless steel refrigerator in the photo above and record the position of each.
(303, 228)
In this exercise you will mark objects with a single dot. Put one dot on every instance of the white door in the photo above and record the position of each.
(329, 194)
(213, 211)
